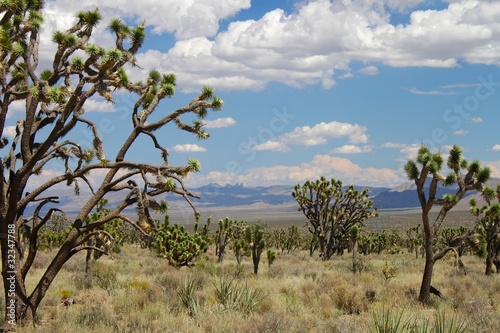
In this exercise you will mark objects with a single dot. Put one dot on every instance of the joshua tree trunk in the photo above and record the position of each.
(354, 257)
(490, 259)
(256, 259)
(425, 295)
(88, 261)
(21, 307)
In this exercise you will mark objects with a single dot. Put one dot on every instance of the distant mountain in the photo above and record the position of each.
(214, 196)
(405, 196)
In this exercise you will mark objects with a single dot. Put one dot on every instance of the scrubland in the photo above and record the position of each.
(135, 291)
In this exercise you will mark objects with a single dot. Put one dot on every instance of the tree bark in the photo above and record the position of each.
(425, 295)
(256, 259)
(88, 261)
(489, 259)
(425, 287)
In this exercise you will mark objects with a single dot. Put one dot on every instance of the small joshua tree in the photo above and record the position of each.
(271, 257)
(223, 237)
(177, 245)
(257, 243)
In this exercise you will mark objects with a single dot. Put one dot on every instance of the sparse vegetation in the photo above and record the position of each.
(140, 292)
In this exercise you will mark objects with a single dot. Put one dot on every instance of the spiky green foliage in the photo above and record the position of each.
(46, 74)
(90, 18)
(94, 50)
(117, 26)
(77, 63)
(271, 257)
(137, 35)
(113, 54)
(178, 246)
(154, 76)
(194, 164)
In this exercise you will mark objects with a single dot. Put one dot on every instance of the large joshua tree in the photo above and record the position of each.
(426, 173)
(54, 99)
(332, 212)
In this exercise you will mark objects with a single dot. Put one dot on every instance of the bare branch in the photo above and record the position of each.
(88, 247)
(95, 233)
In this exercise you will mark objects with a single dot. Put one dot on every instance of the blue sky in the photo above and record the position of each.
(346, 89)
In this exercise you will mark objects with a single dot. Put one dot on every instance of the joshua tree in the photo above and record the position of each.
(223, 237)
(271, 257)
(488, 225)
(240, 247)
(331, 212)
(414, 239)
(257, 243)
(179, 247)
(467, 176)
(54, 99)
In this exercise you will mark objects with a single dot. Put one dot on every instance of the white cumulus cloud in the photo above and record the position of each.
(317, 135)
(352, 149)
(369, 70)
(293, 48)
(188, 148)
(220, 123)
(320, 165)
(461, 132)
(272, 146)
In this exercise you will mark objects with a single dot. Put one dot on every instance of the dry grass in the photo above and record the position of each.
(138, 292)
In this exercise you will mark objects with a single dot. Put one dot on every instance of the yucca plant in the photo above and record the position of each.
(187, 296)
(390, 321)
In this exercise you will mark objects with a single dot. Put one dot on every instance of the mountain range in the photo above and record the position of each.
(218, 199)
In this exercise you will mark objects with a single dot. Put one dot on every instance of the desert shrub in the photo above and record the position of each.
(364, 264)
(276, 271)
(389, 272)
(101, 275)
(311, 275)
(93, 315)
(348, 298)
(272, 322)
(204, 264)
(138, 285)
